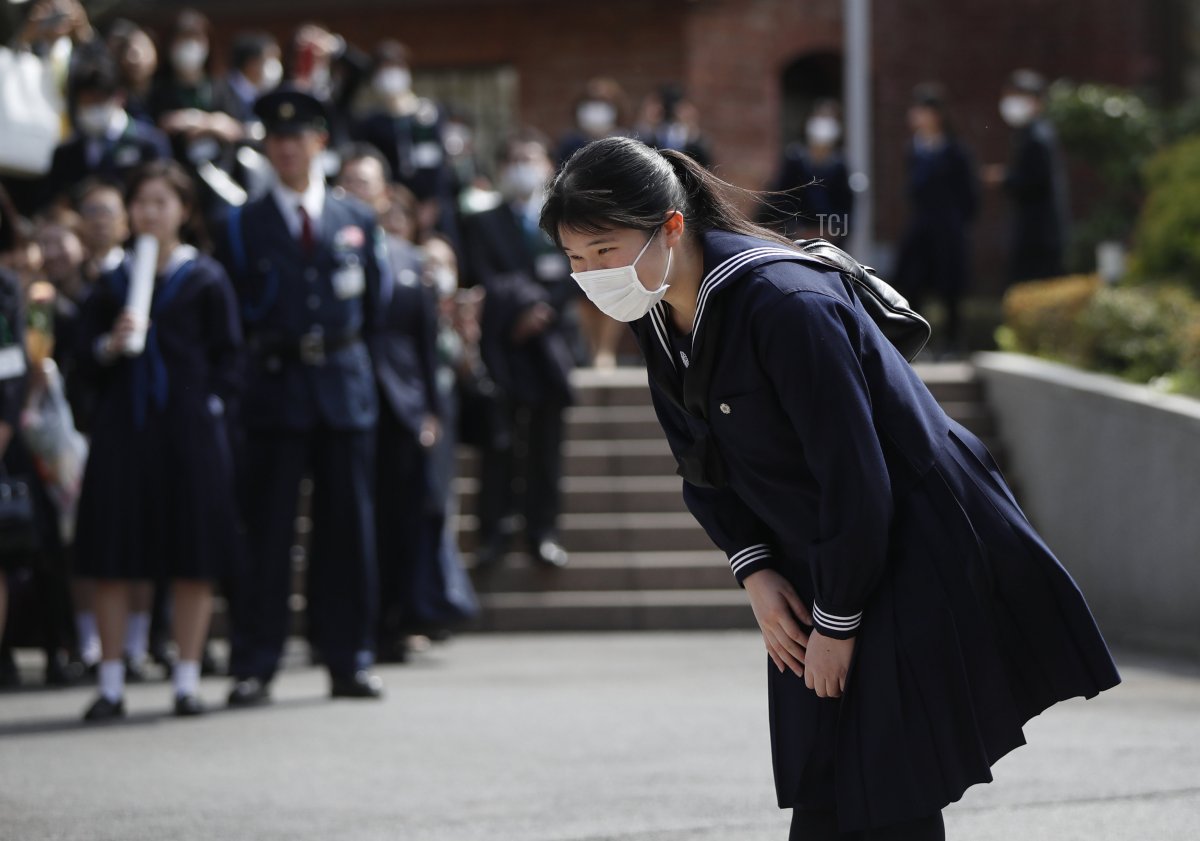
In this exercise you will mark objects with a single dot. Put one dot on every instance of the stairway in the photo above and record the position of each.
(638, 559)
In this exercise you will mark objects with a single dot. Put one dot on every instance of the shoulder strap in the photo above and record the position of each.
(237, 239)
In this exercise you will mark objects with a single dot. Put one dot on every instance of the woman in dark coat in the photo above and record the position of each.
(914, 618)
(943, 197)
(157, 499)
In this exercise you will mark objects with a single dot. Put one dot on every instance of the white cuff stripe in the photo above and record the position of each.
(837, 623)
(748, 560)
(757, 547)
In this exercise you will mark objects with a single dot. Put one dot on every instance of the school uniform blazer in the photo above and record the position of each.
(140, 143)
(501, 259)
(285, 296)
(404, 350)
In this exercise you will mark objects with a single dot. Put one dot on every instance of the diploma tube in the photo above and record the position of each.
(141, 290)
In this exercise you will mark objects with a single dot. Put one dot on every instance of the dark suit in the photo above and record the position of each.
(111, 159)
(310, 405)
(519, 267)
(407, 523)
(1036, 184)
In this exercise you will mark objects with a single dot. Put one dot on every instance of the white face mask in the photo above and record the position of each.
(823, 131)
(189, 56)
(272, 74)
(618, 293)
(1016, 110)
(94, 120)
(523, 181)
(596, 117)
(393, 81)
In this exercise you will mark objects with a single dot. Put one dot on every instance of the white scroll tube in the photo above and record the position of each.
(141, 291)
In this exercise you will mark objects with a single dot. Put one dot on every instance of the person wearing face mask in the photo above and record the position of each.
(913, 619)
(811, 195)
(526, 346)
(1035, 181)
(195, 112)
(107, 142)
(934, 254)
(598, 112)
(256, 67)
(403, 352)
(410, 132)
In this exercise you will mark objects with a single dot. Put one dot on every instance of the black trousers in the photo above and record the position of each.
(822, 826)
(342, 578)
(536, 443)
(401, 516)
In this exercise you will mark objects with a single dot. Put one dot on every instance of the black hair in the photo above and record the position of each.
(96, 74)
(11, 229)
(932, 95)
(248, 47)
(183, 185)
(94, 184)
(361, 151)
(618, 182)
(520, 137)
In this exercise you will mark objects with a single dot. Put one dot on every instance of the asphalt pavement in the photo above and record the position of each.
(572, 737)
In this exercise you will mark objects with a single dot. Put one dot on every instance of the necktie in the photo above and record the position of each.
(306, 231)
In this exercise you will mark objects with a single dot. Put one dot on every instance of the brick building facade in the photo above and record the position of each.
(734, 56)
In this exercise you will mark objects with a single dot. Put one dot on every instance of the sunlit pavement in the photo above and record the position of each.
(617, 736)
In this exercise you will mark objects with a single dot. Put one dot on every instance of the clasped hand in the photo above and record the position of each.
(822, 661)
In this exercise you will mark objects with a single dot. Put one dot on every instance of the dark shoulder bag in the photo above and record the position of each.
(902, 325)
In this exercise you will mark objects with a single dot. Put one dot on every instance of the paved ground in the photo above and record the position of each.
(646, 737)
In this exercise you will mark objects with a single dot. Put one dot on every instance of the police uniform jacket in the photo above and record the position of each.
(308, 318)
(810, 446)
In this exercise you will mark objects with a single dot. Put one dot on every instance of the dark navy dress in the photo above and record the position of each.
(158, 497)
(810, 446)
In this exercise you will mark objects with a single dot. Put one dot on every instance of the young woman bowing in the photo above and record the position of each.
(914, 618)
(158, 496)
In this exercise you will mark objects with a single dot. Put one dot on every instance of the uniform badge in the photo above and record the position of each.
(349, 238)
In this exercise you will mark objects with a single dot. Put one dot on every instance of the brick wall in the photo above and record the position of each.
(730, 54)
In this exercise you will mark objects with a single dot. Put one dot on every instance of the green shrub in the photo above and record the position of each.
(1136, 333)
(1040, 316)
(1167, 237)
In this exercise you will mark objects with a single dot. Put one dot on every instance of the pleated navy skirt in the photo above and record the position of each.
(974, 629)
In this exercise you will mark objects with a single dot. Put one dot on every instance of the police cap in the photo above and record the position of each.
(289, 110)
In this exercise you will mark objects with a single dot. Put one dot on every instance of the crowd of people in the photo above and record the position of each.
(335, 292)
(285, 294)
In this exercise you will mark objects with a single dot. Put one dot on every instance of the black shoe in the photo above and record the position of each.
(392, 650)
(250, 692)
(136, 671)
(62, 671)
(103, 709)
(362, 684)
(551, 554)
(10, 677)
(490, 554)
(187, 706)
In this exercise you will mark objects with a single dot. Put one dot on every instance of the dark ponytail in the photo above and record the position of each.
(618, 182)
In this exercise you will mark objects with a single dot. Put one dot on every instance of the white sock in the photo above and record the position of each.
(187, 677)
(137, 636)
(89, 638)
(112, 679)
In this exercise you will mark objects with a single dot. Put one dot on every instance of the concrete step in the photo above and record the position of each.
(613, 532)
(623, 610)
(606, 422)
(638, 457)
(600, 571)
(599, 494)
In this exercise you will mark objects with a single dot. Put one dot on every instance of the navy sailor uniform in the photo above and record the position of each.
(809, 446)
(158, 495)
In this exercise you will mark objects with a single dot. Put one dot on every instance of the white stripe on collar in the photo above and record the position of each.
(713, 280)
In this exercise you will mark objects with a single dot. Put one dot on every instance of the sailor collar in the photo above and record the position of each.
(731, 256)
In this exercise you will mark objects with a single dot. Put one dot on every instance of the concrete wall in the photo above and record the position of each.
(1109, 473)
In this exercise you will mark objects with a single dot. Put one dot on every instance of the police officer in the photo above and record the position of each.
(309, 267)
